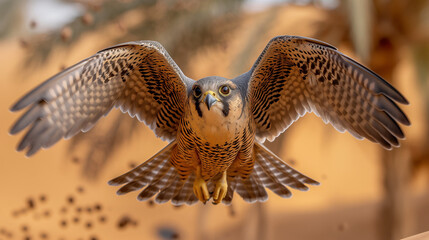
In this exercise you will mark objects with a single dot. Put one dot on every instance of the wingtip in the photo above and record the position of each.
(14, 108)
(14, 129)
(407, 121)
(20, 150)
(304, 189)
(387, 147)
(118, 181)
(19, 105)
(382, 86)
(398, 97)
(310, 181)
(392, 92)
(141, 199)
(113, 182)
(404, 100)
(26, 100)
(287, 195)
(120, 193)
(314, 183)
(31, 152)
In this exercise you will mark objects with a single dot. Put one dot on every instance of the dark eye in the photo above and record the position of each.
(197, 91)
(224, 90)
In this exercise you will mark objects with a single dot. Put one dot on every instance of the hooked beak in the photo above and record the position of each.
(210, 99)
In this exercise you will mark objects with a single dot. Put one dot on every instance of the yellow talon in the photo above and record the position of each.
(200, 187)
(220, 190)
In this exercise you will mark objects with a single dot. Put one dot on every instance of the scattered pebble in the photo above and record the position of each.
(63, 223)
(63, 210)
(80, 189)
(102, 219)
(124, 221)
(33, 24)
(98, 207)
(70, 199)
(43, 235)
(66, 216)
(88, 224)
(66, 33)
(6, 233)
(42, 198)
(87, 19)
(47, 213)
(79, 209)
(30, 203)
(23, 211)
(15, 213)
(89, 209)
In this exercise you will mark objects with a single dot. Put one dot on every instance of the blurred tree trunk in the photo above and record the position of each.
(12, 15)
(388, 33)
(396, 215)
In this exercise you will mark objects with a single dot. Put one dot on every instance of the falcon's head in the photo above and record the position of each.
(216, 97)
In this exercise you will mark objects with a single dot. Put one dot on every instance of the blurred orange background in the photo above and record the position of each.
(365, 192)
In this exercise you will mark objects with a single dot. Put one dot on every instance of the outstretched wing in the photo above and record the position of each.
(296, 75)
(138, 77)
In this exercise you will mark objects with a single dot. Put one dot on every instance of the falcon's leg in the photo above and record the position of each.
(200, 187)
(221, 189)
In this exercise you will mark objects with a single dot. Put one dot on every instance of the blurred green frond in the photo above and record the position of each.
(421, 56)
(361, 22)
(183, 27)
(101, 144)
(11, 12)
(105, 12)
(183, 30)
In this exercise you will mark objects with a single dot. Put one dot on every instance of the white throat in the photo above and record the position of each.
(214, 127)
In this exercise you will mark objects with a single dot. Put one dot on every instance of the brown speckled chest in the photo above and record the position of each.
(234, 155)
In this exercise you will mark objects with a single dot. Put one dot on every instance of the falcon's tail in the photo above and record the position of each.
(158, 177)
(269, 172)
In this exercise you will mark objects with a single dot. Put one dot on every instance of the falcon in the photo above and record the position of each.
(215, 126)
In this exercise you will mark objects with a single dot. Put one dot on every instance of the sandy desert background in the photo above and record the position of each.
(365, 193)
